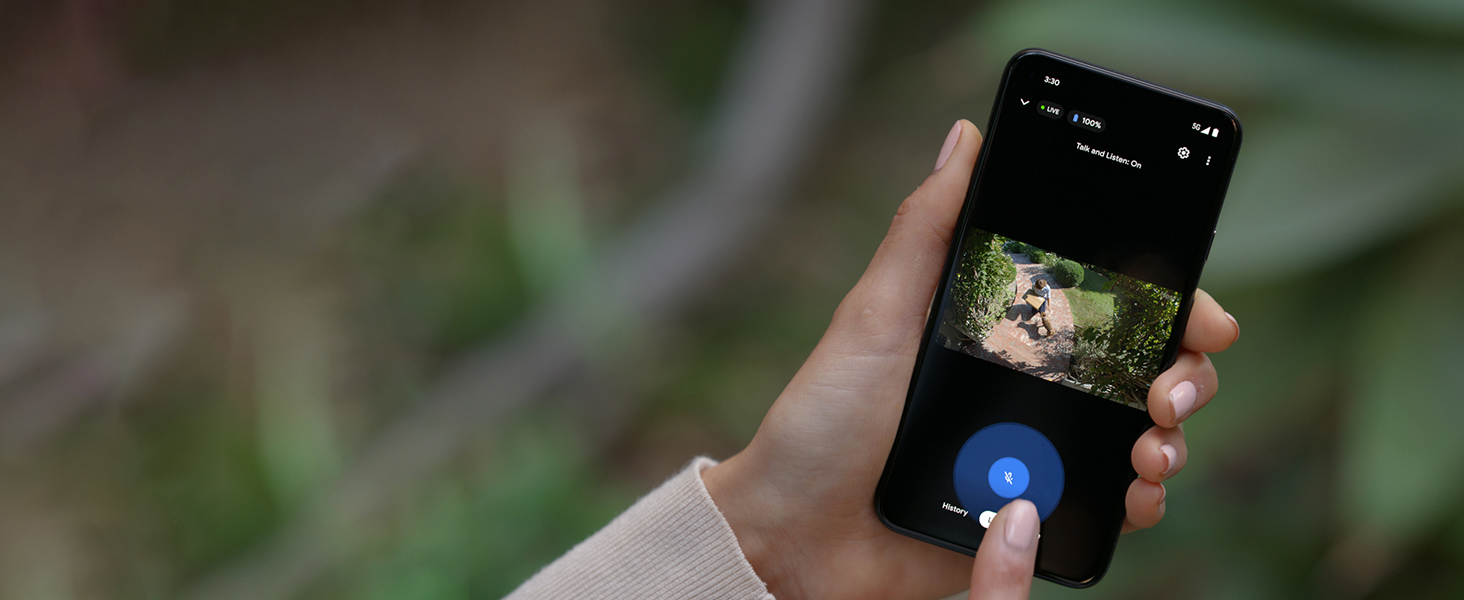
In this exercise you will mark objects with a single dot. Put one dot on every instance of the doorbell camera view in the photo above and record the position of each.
(1057, 319)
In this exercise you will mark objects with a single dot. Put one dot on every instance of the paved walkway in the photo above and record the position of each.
(1019, 340)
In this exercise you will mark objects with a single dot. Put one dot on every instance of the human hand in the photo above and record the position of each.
(1008, 554)
(800, 496)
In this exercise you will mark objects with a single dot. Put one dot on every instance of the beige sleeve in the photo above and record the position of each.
(673, 543)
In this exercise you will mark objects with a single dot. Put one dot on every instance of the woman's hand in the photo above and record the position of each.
(800, 496)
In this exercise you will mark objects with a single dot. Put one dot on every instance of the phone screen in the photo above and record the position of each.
(1089, 218)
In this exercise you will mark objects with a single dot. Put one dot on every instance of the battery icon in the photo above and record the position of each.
(1087, 121)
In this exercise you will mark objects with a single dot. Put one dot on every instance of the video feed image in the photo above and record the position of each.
(1045, 315)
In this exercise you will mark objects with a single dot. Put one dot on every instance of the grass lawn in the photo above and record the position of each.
(1090, 304)
(1092, 281)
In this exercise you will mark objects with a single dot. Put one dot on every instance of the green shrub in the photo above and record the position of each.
(1085, 355)
(1068, 273)
(1122, 359)
(979, 295)
(1016, 247)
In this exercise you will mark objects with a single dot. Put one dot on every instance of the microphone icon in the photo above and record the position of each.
(1008, 477)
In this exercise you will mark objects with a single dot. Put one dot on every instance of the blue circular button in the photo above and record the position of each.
(1008, 477)
(989, 455)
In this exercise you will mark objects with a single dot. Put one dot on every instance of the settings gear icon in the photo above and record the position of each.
(1183, 152)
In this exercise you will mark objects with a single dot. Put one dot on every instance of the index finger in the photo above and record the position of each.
(1210, 328)
(1008, 554)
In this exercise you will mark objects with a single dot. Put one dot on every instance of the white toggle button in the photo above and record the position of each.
(986, 517)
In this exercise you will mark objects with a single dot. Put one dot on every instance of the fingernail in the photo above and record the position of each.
(949, 146)
(1182, 397)
(1171, 456)
(1228, 316)
(1021, 526)
(1163, 492)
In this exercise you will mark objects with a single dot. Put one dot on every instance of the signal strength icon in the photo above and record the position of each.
(1211, 131)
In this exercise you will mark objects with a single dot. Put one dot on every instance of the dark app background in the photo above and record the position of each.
(1035, 185)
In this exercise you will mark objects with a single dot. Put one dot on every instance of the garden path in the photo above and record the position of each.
(1019, 340)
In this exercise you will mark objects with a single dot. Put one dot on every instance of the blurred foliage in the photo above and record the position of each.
(439, 255)
(1328, 466)
(534, 485)
(169, 35)
(200, 475)
(688, 47)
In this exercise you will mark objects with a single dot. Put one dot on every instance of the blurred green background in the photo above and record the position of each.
(403, 298)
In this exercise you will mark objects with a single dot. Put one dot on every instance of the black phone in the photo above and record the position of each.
(1089, 216)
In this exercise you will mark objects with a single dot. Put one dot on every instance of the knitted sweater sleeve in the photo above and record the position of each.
(673, 543)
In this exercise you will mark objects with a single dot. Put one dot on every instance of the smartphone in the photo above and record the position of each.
(1089, 217)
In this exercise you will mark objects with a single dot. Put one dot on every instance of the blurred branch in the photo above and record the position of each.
(792, 67)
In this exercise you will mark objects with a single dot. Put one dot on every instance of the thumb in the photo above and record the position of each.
(896, 287)
(1008, 554)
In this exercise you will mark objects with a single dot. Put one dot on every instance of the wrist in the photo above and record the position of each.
(755, 518)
